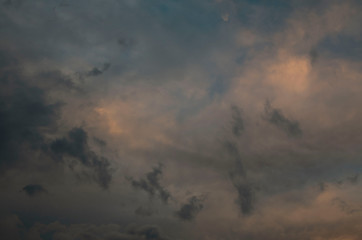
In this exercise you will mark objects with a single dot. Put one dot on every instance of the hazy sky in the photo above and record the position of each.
(180, 119)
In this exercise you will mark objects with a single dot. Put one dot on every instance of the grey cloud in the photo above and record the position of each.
(233, 151)
(34, 189)
(145, 212)
(146, 232)
(24, 115)
(345, 46)
(179, 45)
(354, 178)
(189, 210)
(56, 80)
(100, 142)
(313, 56)
(349, 179)
(76, 145)
(13, 228)
(344, 206)
(237, 121)
(96, 71)
(238, 177)
(152, 184)
(245, 192)
(126, 42)
(322, 186)
(277, 118)
(9, 3)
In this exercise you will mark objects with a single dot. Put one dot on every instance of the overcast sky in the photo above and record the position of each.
(180, 120)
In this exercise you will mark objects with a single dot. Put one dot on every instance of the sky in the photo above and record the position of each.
(175, 120)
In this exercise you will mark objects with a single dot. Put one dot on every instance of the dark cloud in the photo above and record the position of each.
(24, 115)
(8, 63)
(245, 192)
(238, 177)
(350, 179)
(345, 46)
(189, 210)
(11, 227)
(344, 206)
(96, 71)
(313, 56)
(152, 184)
(354, 178)
(175, 68)
(75, 145)
(100, 142)
(234, 153)
(237, 121)
(146, 232)
(7, 2)
(56, 80)
(322, 186)
(34, 189)
(276, 117)
(15, 3)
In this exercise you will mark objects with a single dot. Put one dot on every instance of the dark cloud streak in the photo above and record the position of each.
(237, 121)
(239, 180)
(152, 184)
(277, 118)
(96, 71)
(76, 145)
(34, 190)
(189, 210)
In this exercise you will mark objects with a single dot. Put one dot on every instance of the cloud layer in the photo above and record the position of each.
(211, 119)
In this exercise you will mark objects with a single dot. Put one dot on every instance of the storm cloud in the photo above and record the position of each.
(56, 230)
(25, 116)
(75, 145)
(189, 210)
(34, 189)
(237, 121)
(151, 184)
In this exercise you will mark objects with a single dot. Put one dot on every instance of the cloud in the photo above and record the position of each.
(177, 66)
(12, 228)
(25, 116)
(146, 232)
(345, 207)
(75, 145)
(145, 212)
(245, 193)
(34, 190)
(238, 177)
(152, 184)
(237, 121)
(233, 150)
(189, 210)
(57, 80)
(126, 42)
(313, 55)
(276, 117)
(96, 71)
